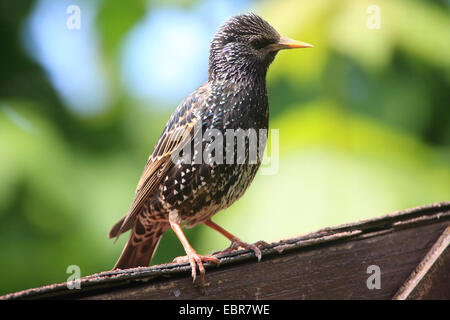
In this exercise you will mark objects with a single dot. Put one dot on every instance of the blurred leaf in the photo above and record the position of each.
(115, 19)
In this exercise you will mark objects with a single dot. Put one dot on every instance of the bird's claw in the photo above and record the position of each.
(195, 260)
(236, 243)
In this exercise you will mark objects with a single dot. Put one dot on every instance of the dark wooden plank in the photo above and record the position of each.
(337, 271)
(431, 278)
(328, 264)
(436, 283)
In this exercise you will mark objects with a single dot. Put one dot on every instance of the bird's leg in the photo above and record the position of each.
(235, 241)
(192, 257)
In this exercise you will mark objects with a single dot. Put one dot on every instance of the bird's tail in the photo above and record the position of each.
(141, 246)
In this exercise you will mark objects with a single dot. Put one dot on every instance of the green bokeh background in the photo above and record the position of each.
(363, 120)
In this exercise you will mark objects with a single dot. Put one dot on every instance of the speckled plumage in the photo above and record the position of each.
(234, 97)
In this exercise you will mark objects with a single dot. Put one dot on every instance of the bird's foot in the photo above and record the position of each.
(195, 260)
(236, 243)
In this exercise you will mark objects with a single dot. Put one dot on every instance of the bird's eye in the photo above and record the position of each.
(260, 43)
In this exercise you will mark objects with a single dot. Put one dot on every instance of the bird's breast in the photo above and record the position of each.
(225, 153)
(236, 106)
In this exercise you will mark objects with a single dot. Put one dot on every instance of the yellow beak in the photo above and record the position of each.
(286, 43)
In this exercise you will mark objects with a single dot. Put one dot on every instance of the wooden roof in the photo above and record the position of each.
(410, 248)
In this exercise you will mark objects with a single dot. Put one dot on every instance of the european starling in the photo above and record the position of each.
(172, 192)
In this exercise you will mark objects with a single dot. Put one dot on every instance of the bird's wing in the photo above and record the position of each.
(161, 160)
(156, 168)
(178, 132)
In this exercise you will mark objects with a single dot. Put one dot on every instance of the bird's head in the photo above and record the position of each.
(246, 42)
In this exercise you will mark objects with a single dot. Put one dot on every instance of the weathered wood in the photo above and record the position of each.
(431, 278)
(329, 264)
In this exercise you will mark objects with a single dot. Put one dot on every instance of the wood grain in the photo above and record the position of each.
(328, 264)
